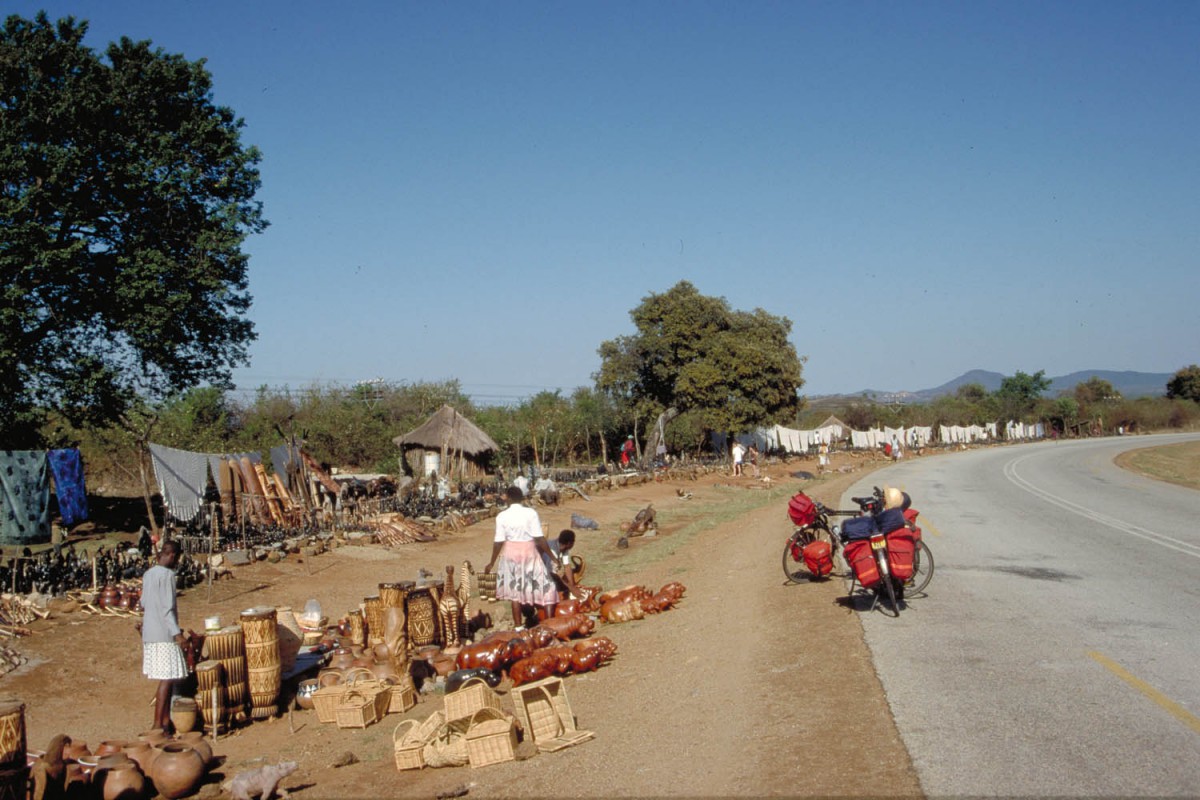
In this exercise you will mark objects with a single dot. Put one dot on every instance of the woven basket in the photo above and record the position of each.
(326, 700)
(448, 748)
(407, 745)
(543, 708)
(487, 586)
(472, 696)
(400, 698)
(357, 709)
(491, 738)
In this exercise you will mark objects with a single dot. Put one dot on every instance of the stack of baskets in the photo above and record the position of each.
(358, 701)
(14, 768)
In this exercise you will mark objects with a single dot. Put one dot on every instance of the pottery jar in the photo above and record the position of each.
(183, 714)
(197, 742)
(142, 754)
(342, 659)
(178, 770)
(122, 782)
(108, 747)
(76, 750)
(155, 737)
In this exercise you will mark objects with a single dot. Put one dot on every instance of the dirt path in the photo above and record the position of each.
(750, 687)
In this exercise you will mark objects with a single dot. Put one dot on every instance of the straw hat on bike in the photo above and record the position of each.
(892, 497)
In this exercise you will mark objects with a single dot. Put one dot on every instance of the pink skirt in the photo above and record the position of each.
(522, 575)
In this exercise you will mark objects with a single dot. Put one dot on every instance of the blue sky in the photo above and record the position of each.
(483, 190)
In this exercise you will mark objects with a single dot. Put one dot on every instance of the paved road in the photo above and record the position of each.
(1058, 649)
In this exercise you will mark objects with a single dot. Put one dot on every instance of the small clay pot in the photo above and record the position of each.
(178, 770)
(77, 750)
(184, 714)
(142, 754)
(155, 737)
(329, 677)
(108, 747)
(196, 740)
(342, 659)
(122, 782)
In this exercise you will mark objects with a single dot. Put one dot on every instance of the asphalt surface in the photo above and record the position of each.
(1057, 649)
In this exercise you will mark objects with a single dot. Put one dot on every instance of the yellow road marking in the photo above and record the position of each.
(1167, 704)
(925, 525)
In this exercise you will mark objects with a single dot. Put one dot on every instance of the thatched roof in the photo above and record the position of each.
(450, 429)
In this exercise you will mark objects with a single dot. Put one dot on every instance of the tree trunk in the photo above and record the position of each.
(146, 492)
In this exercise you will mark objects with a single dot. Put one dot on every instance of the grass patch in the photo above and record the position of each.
(1173, 463)
(612, 567)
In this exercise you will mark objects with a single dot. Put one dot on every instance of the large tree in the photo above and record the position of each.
(1185, 384)
(734, 369)
(1018, 394)
(125, 197)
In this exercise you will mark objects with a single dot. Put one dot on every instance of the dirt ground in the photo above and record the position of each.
(750, 687)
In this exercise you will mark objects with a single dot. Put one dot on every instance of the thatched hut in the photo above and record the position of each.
(447, 443)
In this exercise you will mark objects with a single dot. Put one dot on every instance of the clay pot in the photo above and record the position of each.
(184, 714)
(155, 737)
(108, 747)
(381, 652)
(109, 595)
(178, 770)
(76, 750)
(122, 782)
(342, 659)
(304, 693)
(78, 783)
(201, 745)
(384, 669)
(142, 754)
(329, 677)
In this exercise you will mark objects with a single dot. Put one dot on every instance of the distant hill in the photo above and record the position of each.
(1129, 384)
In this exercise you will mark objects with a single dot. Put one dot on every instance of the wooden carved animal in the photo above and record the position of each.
(565, 628)
(485, 654)
(49, 773)
(614, 612)
(560, 657)
(530, 669)
(566, 608)
(586, 661)
(261, 783)
(621, 595)
(674, 588)
(602, 643)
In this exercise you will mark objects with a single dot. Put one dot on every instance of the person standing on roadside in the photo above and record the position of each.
(739, 453)
(519, 557)
(627, 451)
(162, 639)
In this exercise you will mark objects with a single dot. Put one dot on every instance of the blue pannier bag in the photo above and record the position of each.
(890, 520)
(857, 528)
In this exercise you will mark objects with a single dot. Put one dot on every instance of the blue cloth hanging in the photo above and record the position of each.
(67, 468)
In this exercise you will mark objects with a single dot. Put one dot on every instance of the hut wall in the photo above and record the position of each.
(473, 469)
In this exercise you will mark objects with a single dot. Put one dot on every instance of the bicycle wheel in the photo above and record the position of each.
(922, 570)
(885, 577)
(792, 568)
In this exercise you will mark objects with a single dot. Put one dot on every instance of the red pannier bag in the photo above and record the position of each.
(817, 558)
(900, 548)
(802, 510)
(862, 561)
(910, 516)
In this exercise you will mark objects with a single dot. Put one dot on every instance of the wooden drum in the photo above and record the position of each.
(264, 671)
(12, 733)
(422, 617)
(210, 685)
(228, 646)
(358, 634)
(373, 611)
(14, 783)
(393, 595)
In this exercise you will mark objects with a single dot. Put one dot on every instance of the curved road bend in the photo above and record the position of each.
(1058, 649)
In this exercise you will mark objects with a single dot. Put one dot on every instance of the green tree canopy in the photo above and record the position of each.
(1018, 395)
(735, 369)
(1095, 390)
(1185, 384)
(125, 197)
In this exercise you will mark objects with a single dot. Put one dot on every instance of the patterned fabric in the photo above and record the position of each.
(24, 497)
(69, 487)
(521, 575)
(182, 478)
(163, 661)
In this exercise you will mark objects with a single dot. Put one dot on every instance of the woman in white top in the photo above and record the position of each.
(517, 558)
